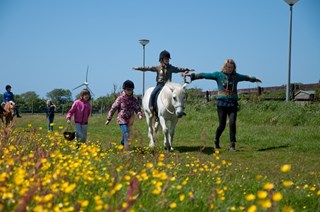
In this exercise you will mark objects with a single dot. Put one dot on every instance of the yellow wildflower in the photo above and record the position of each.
(156, 191)
(3, 176)
(70, 188)
(7, 196)
(277, 196)
(160, 163)
(286, 168)
(118, 186)
(262, 194)
(287, 183)
(173, 205)
(149, 165)
(124, 205)
(268, 186)
(98, 207)
(287, 209)
(181, 197)
(266, 203)
(84, 203)
(48, 197)
(250, 197)
(259, 177)
(252, 208)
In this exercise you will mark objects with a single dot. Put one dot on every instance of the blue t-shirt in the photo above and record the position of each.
(8, 96)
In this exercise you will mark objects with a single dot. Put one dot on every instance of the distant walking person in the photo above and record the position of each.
(164, 74)
(227, 98)
(9, 96)
(50, 114)
(81, 109)
(126, 105)
(1, 109)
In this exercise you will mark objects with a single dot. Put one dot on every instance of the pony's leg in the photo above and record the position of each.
(166, 133)
(172, 130)
(150, 130)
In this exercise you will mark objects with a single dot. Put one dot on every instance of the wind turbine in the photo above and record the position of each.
(85, 83)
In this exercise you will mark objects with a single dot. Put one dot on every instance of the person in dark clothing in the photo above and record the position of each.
(50, 114)
(227, 98)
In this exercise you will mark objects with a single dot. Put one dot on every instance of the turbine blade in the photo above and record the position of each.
(87, 73)
(79, 86)
(92, 94)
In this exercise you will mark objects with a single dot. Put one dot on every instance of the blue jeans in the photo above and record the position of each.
(81, 132)
(152, 101)
(125, 133)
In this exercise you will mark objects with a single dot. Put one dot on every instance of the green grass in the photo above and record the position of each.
(192, 178)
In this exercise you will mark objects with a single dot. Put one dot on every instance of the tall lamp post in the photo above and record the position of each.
(143, 42)
(290, 3)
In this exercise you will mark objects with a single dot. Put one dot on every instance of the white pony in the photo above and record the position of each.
(171, 103)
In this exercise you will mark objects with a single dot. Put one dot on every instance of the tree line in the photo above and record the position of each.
(30, 102)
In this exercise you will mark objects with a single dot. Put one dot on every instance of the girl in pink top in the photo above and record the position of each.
(81, 109)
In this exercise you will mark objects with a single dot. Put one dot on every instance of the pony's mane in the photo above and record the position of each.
(173, 84)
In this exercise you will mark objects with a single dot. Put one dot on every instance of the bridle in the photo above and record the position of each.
(175, 108)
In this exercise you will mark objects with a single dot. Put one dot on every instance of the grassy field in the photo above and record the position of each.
(276, 166)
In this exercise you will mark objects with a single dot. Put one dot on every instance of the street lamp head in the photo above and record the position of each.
(291, 2)
(143, 42)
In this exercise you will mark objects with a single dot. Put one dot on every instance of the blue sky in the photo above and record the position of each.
(46, 45)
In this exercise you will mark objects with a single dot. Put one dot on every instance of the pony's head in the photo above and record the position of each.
(178, 98)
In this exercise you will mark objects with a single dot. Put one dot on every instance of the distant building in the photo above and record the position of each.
(303, 96)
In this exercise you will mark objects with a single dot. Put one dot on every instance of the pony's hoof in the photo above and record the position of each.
(171, 149)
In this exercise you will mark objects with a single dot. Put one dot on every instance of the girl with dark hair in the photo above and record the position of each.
(126, 105)
(81, 109)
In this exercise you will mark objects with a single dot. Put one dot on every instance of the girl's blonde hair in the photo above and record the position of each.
(49, 102)
(229, 61)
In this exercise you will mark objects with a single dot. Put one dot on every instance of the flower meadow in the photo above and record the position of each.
(42, 171)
